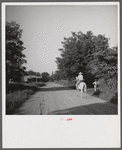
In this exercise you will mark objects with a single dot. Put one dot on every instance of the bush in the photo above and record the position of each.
(10, 88)
(18, 93)
(114, 99)
(108, 89)
(20, 87)
(97, 93)
(15, 100)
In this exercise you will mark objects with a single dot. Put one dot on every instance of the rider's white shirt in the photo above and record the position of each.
(80, 77)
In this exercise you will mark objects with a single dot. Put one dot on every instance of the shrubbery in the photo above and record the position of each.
(15, 100)
(19, 87)
(18, 93)
(114, 99)
(108, 89)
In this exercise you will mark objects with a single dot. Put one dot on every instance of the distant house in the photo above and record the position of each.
(32, 78)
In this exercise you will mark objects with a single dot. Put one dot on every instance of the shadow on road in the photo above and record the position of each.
(92, 109)
(55, 89)
(22, 112)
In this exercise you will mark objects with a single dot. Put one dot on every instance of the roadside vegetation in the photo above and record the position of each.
(17, 94)
(16, 90)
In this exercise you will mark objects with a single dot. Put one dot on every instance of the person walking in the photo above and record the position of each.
(79, 79)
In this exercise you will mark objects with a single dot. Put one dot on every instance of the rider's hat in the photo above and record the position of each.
(80, 73)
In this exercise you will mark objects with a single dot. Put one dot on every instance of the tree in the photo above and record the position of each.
(30, 72)
(14, 52)
(75, 54)
(45, 76)
(89, 54)
(57, 75)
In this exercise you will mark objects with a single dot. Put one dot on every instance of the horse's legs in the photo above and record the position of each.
(77, 92)
(77, 89)
(84, 91)
(81, 93)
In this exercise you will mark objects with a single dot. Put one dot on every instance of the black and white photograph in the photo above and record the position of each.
(61, 60)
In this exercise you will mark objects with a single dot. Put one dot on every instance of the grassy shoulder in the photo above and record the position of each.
(17, 94)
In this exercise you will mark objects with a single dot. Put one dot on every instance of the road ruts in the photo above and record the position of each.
(55, 99)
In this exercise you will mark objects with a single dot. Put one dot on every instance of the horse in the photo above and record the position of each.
(82, 87)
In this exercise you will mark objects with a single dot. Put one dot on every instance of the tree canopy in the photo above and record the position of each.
(31, 72)
(89, 54)
(45, 76)
(14, 52)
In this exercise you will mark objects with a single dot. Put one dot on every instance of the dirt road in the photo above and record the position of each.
(55, 99)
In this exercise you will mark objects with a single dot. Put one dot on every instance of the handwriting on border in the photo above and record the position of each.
(64, 119)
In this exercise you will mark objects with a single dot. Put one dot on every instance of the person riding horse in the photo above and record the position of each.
(79, 79)
(80, 85)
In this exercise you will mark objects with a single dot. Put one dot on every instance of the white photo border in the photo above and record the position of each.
(48, 131)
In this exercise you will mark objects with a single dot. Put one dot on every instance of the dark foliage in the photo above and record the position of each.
(97, 93)
(31, 72)
(14, 53)
(20, 87)
(45, 76)
(17, 94)
(114, 99)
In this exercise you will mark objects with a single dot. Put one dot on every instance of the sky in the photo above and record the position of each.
(45, 26)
